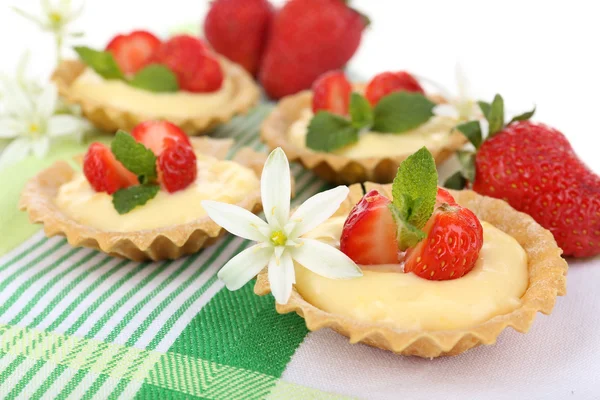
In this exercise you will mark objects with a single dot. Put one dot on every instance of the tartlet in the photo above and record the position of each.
(336, 168)
(547, 279)
(109, 118)
(169, 242)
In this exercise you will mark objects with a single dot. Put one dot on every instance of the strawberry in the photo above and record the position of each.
(331, 92)
(308, 38)
(196, 69)
(104, 172)
(177, 167)
(238, 29)
(533, 167)
(369, 233)
(454, 240)
(132, 52)
(389, 82)
(158, 135)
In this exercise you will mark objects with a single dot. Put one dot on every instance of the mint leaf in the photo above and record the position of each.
(155, 78)
(125, 200)
(134, 156)
(456, 181)
(102, 62)
(402, 111)
(522, 117)
(415, 188)
(495, 116)
(360, 111)
(472, 130)
(485, 108)
(407, 235)
(328, 132)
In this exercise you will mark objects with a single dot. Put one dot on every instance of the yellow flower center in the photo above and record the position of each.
(34, 129)
(55, 17)
(278, 238)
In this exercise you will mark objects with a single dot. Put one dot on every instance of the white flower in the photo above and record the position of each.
(32, 123)
(55, 18)
(280, 241)
(462, 107)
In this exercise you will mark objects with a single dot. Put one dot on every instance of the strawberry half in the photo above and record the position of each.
(196, 69)
(177, 167)
(451, 248)
(369, 233)
(331, 92)
(132, 52)
(104, 172)
(158, 135)
(389, 82)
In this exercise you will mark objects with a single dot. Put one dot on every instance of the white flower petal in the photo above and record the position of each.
(236, 220)
(246, 265)
(40, 146)
(462, 82)
(325, 260)
(275, 188)
(316, 210)
(281, 277)
(46, 103)
(446, 110)
(17, 150)
(61, 125)
(11, 127)
(485, 127)
(16, 100)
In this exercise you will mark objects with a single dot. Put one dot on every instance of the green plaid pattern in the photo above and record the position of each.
(77, 324)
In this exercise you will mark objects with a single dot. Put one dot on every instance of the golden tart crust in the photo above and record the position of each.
(168, 242)
(332, 167)
(108, 118)
(547, 280)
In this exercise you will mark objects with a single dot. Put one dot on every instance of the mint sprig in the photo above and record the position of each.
(134, 156)
(395, 113)
(141, 161)
(125, 200)
(153, 78)
(414, 194)
(402, 111)
(494, 114)
(102, 62)
(328, 131)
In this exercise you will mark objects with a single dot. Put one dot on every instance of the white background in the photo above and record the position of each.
(532, 52)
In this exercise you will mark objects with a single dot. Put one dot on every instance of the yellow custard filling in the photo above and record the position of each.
(179, 104)
(433, 134)
(405, 301)
(218, 180)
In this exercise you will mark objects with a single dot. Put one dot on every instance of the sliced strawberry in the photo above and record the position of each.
(443, 196)
(451, 248)
(331, 92)
(104, 172)
(157, 135)
(132, 52)
(369, 234)
(197, 70)
(177, 167)
(389, 82)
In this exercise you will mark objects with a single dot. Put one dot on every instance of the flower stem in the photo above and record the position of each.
(59, 44)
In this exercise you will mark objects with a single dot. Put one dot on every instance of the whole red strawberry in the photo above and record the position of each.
(308, 38)
(132, 52)
(104, 172)
(177, 167)
(389, 82)
(239, 29)
(534, 168)
(331, 92)
(197, 70)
